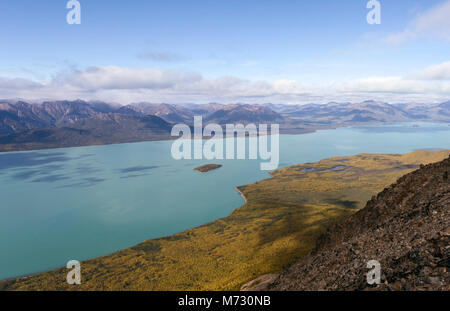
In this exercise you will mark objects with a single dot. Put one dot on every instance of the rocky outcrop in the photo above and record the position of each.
(406, 228)
(259, 283)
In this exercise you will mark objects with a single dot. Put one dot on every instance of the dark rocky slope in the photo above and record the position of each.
(101, 129)
(26, 126)
(16, 117)
(406, 228)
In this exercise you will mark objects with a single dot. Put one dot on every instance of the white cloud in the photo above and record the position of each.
(435, 72)
(18, 84)
(433, 23)
(112, 77)
(397, 85)
(126, 85)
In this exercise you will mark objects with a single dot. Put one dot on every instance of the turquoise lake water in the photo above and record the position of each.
(79, 203)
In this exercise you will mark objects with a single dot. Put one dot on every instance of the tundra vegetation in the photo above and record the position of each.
(279, 224)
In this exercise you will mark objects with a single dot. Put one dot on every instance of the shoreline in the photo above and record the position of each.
(283, 131)
(241, 194)
(26, 276)
(236, 188)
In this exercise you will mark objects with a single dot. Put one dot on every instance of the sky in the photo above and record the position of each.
(195, 51)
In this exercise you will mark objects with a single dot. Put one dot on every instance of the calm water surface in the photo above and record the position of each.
(80, 203)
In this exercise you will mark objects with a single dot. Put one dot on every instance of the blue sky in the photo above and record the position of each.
(200, 51)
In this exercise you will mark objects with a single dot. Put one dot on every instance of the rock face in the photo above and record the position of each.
(406, 228)
(259, 283)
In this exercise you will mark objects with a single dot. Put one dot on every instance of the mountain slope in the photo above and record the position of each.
(21, 121)
(367, 111)
(17, 117)
(406, 228)
(100, 129)
(170, 113)
(232, 114)
(21, 116)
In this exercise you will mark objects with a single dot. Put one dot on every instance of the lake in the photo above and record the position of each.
(79, 203)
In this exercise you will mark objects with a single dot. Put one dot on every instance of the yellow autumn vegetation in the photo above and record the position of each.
(279, 224)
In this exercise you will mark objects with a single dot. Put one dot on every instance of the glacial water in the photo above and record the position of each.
(79, 203)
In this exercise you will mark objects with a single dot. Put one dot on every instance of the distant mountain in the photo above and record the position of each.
(103, 107)
(205, 109)
(21, 116)
(445, 106)
(115, 121)
(349, 113)
(217, 113)
(130, 110)
(25, 126)
(437, 112)
(444, 109)
(284, 109)
(170, 113)
(368, 111)
(239, 113)
(100, 129)
(67, 112)
(26, 122)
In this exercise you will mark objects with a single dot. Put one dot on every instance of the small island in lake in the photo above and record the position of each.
(207, 168)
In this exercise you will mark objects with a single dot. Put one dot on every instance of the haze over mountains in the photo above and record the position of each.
(25, 126)
(367, 111)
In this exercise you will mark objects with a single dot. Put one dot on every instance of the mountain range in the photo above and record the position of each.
(367, 111)
(100, 129)
(25, 126)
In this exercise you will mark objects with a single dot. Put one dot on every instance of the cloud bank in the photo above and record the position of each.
(126, 85)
